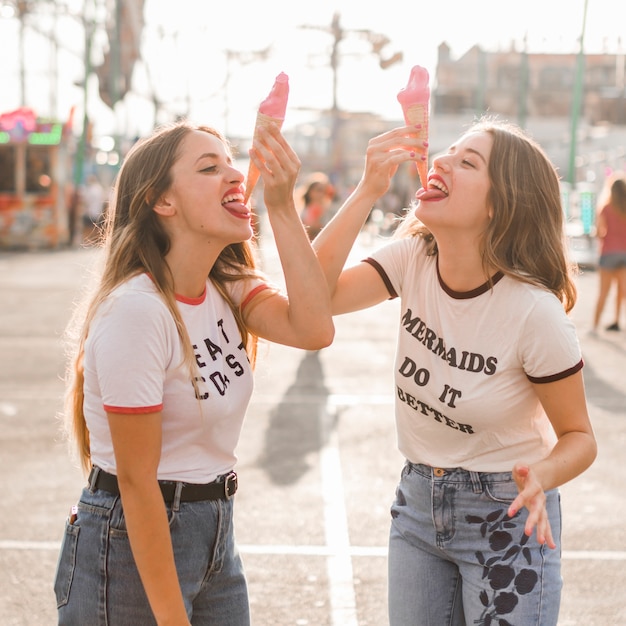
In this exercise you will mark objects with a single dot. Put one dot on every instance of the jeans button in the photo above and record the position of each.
(437, 471)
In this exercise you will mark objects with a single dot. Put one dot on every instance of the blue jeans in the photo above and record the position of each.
(97, 582)
(457, 559)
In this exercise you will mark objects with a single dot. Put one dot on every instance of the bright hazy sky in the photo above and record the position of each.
(185, 43)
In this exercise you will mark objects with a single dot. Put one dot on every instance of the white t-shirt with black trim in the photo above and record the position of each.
(465, 364)
(134, 365)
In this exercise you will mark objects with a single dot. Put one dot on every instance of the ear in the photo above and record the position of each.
(164, 207)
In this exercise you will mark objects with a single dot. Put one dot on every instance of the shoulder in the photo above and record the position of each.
(406, 247)
(135, 301)
(400, 262)
(242, 289)
(534, 299)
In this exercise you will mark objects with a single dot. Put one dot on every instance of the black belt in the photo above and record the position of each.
(223, 488)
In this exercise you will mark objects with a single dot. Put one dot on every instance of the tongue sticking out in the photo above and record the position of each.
(430, 194)
(237, 207)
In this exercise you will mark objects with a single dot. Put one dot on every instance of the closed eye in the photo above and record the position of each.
(209, 170)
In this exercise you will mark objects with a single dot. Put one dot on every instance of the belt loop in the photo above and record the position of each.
(177, 493)
(477, 483)
(93, 477)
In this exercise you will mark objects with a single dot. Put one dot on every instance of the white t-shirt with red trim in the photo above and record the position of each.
(466, 362)
(134, 365)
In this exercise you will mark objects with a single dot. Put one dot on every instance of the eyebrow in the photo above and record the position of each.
(209, 155)
(214, 156)
(471, 150)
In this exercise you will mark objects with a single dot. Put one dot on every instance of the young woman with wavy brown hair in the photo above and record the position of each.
(490, 404)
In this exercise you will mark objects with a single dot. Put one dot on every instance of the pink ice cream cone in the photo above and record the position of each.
(414, 99)
(271, 112)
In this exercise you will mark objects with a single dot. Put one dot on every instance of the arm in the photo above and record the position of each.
(565, 405)
(303, 318)
(384, 155)
(601, 226)
(137, 446)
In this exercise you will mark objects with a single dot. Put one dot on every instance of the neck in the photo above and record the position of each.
(462, 270)
(190, 269)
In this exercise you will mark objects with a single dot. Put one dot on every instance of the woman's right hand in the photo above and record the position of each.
(279, 166)
(385, 153)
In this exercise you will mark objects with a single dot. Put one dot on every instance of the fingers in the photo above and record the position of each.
(543, 530)
(532, 496)
(391, 149)
(274, 157)
(278, 166)
(402, 138)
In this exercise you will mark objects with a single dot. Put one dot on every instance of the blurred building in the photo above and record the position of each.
(517, 83)
(533, 90)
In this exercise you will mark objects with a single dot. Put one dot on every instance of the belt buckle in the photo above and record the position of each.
(230, 485)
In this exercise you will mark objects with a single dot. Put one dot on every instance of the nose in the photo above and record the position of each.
(235, 175)
(440, 163)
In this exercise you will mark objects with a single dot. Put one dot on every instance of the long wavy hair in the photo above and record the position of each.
(525, 238)
(135, 242)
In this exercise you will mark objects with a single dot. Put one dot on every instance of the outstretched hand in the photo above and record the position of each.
(532, 496)
(279, 166)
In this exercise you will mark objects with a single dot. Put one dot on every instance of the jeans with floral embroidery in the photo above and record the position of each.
(457, 559)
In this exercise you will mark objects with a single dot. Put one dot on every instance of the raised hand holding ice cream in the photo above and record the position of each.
(271, 111)
(414, 99)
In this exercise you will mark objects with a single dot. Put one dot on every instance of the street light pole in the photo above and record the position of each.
(81, 148)
(576, 102)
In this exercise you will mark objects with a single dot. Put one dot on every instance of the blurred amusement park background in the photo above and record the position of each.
(81, 80)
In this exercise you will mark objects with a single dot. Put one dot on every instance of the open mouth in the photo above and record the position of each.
(439, 185)
(436, 189)
(234, 203)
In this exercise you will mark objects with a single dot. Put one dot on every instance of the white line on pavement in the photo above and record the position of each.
(321, 551)
(339, 561)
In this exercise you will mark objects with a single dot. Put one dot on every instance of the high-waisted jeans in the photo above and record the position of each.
(97, 582)
(457, 559)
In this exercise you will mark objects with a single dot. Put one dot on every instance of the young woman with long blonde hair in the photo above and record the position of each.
(161, 376)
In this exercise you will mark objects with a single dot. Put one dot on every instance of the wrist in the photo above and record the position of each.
(364, 196)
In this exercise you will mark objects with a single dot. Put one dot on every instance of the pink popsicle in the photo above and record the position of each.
(414, 99)
(275, 105)
(271, 111)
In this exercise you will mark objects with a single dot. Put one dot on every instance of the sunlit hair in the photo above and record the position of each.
(136, 242)
(525, 238)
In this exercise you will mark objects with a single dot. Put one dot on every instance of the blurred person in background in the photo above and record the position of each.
(611, 232)
(160, 378)
(316, 198)
(93, 199)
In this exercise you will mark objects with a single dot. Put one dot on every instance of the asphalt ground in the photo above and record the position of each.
(317, 462)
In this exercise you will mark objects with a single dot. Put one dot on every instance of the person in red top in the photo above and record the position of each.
(317, 200)
(611, 231)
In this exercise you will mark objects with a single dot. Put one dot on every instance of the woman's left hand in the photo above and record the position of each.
(278, 164)
(532, 496)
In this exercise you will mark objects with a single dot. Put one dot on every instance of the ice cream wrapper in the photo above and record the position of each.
(271, 113)
(418, 114)
(414, 99)
(253, 172)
